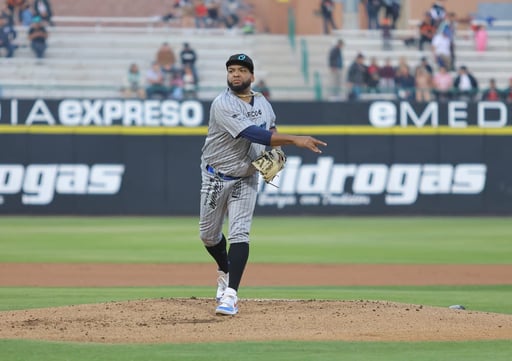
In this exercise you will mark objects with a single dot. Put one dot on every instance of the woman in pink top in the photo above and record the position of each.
(443, 84)
(481, 38)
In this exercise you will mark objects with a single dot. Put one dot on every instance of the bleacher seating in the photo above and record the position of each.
(91, 61)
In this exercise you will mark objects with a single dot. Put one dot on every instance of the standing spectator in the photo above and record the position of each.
(443, 84)
(373, 8)
(326, 11)
(200, 14)
(423, 85)
(43, 9)
(37, 35)
(387, 76)
(188, 57)
(165, 55)
(357, 77)
(373, 76)
(404, 83)
(133, 83)
(492, 93)
(437, 13)
(465, 84)
(427, 31)
(392, 11)
(481, 38)
(155, 82)
(441, 50)
(336, 68)
(507, 94)
(261, 87)
(5, 38)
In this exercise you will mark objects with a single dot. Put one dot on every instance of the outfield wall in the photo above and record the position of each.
(116, 156)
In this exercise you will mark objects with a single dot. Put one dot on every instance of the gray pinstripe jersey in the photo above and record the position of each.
(230, 115)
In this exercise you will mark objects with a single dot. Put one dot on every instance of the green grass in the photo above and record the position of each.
(406, 240)
(12, 350)
(349, 240)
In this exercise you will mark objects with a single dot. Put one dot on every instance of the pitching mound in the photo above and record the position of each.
(193, 320)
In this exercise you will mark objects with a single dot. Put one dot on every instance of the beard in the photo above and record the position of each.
(240, 89)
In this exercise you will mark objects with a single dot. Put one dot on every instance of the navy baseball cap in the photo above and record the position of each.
(241, 59)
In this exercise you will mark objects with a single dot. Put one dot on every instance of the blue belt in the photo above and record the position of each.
(212, 170)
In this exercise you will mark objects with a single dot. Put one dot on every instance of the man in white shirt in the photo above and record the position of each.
(441, 49)
(465, 84)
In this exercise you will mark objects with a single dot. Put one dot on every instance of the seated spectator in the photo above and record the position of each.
(357, 77)
(465, 85)
(133, 83)
(200, 14)
(155, 87)
(213, 13)
(189, 83)
(507, 94)
(37, 35)
(229, 11)
(5, 38)
(404, 83)
(249, 24)
(373, 76)
(443, 84)
(427, 31)
(492, 93)
(177, 86)
(387, 76)
(261, 87)
(423, 84)
(43, 9)
(424, 64)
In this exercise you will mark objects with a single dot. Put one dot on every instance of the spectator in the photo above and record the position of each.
(155, 87)
(441, 50)
(189, 83)
(481, 38)
(465, 85)
(38, 35)
(423, 84)
(27, 15)
(357, 77)
(165, 55)
(424, 64)
(336, 68)
(507, 94)
(372, 9)
(188, 57)
(386, 34)
(133, 83)
(427, 31)
(43, 9)
(261, 87)
(5, 38)
(443, 84)
(15, 6)
(373, 76)
(492, 93)
(177, 86)
(404, 83)
(200, 14)
(392, 11)
(213, 7)
(448, 27)
(437, 13)
(249, 24)
(387, 76)
(326, 11)
(229, 10)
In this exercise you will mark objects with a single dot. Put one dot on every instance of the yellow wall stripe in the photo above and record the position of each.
(316, 130)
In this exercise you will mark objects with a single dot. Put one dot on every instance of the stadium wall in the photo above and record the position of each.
(127, 157)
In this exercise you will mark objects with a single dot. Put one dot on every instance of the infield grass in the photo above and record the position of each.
(393, 240)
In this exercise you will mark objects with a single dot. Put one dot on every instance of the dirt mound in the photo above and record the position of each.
(193, 320)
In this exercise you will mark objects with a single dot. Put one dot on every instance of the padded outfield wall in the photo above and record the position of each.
(77, 156)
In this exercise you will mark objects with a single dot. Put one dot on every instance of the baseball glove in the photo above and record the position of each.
(269, 163)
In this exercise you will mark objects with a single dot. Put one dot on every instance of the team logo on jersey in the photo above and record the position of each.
(254, 113)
